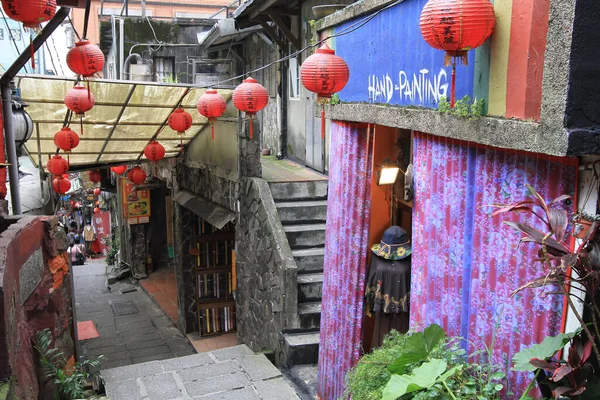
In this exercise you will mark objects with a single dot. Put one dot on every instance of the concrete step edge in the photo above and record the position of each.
(310, 278)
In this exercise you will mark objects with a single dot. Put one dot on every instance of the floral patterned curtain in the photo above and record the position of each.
(466, 263)
(346, 245)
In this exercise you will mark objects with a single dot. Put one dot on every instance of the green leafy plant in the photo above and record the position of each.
(70, 379)
(463, 108)
(335, 99)
(113, 244)
(425, 365)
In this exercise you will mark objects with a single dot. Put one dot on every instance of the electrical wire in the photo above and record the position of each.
(9, 31)
(73, 26)
(351, 28)
(51, 58)
(62, 71)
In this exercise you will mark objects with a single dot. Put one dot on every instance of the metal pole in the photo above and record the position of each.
(11, 151)
(121, 46)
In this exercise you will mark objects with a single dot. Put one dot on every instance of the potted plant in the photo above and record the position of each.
(582, 222)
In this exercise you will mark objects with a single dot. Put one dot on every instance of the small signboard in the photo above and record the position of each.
(136, 204)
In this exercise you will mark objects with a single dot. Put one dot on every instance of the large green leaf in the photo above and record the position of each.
(422, 377)
(544, 350)
(417, 347)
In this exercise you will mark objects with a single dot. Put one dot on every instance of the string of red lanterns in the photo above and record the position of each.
(97, 192)
(250, 97)
(119, 169)
(95, 176)
(211, 105)
(57, 165)
(456, 26)
(324, 73)
(61, 185)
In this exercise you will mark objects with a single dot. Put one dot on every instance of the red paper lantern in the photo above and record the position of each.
(137, 176)
(324, 73)
(61, 185)
(85, 58)
(79, 99)
(30, 12)
(250, 97)
(66, 139)
(66, 176)
(72, 203)
(57, 165)
(211, 105)
(119, 169)
(456, 26)
(97, 203)
(154, 151)
(96, 210)
(180, 121)
(95, 176)
(97, 192)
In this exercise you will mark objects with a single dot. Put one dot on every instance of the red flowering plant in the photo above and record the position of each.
(563, 268)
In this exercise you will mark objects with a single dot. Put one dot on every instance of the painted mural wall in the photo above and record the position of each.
(390, 63)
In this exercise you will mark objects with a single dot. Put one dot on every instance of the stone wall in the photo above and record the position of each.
(36, 291)
(266, 272)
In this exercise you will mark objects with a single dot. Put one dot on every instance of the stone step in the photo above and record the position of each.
(305, 378)
(310, 287)
(298, 190)
(301, 348)
(311, 211)
(309, 260)
(305, 235)
(309, 315)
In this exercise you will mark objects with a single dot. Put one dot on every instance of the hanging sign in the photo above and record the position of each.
(136, 204)
(101, 223)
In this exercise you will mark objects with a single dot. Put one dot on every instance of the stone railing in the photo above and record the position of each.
(267, 299)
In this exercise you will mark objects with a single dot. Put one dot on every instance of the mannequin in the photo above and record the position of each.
(388, 284)
(89, 235)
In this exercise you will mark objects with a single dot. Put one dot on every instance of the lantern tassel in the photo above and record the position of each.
(250, 127)
(181, 143)
(213, 132)
(452, 94)
(32, 51)
(89, 93)
(323, 121)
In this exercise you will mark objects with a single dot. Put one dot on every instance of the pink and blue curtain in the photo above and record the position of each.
(465, 263)
(346, 243)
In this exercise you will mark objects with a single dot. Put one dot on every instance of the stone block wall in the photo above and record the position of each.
(266, 272)
(36, 293)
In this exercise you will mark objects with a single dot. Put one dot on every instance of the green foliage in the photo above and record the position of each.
(114, 244)
(335, 99)
(432, 367)
(463, 108)
(70, 382)
(312, 23)
(170, 79)
(542, 351)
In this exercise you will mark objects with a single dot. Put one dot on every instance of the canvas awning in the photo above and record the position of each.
(212, 213)
(127, 116)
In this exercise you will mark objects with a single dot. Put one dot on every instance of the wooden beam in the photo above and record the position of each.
(284, 11)
(269, 31)
(266, 4)
(286, 31)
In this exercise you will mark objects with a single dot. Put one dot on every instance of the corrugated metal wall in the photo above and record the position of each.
(466, 263)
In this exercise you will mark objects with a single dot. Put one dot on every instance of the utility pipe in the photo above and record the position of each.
(9, 137)
(121, 46)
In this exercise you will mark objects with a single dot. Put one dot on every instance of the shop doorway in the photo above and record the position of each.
(391, 205)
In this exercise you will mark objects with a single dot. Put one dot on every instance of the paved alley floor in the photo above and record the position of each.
(234, 373)
(132, 328)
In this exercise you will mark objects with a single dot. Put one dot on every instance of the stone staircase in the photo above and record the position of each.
(302, 209)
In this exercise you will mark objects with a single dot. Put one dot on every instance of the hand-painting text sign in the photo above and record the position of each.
(390, 63)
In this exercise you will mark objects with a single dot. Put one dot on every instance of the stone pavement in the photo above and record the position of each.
(147, 334)
(235, 373)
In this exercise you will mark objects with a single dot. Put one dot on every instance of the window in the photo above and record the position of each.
(164, 69)
(16, 34)
(294, 79)
(132, 12)
(210, 72)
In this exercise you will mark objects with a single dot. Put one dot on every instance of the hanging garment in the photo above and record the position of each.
(387, 295)
(89, 233)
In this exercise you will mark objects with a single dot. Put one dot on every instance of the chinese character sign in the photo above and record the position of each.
(136, 204)
(101, 223)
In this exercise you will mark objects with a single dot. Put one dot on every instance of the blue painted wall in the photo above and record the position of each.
(8, 53)
(390, 63)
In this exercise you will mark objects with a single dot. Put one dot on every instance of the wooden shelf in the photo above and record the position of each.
(208, 304)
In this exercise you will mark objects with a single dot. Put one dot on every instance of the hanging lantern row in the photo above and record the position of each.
(324, 73)
(61, 185)
(456, 26)
(85, 59)
(137, 176)
(30, 12)
(211, 105)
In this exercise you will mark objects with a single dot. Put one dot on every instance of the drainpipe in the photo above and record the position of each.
(9, 137)
(121, 46)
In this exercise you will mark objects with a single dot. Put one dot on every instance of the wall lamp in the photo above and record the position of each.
(389, 173)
